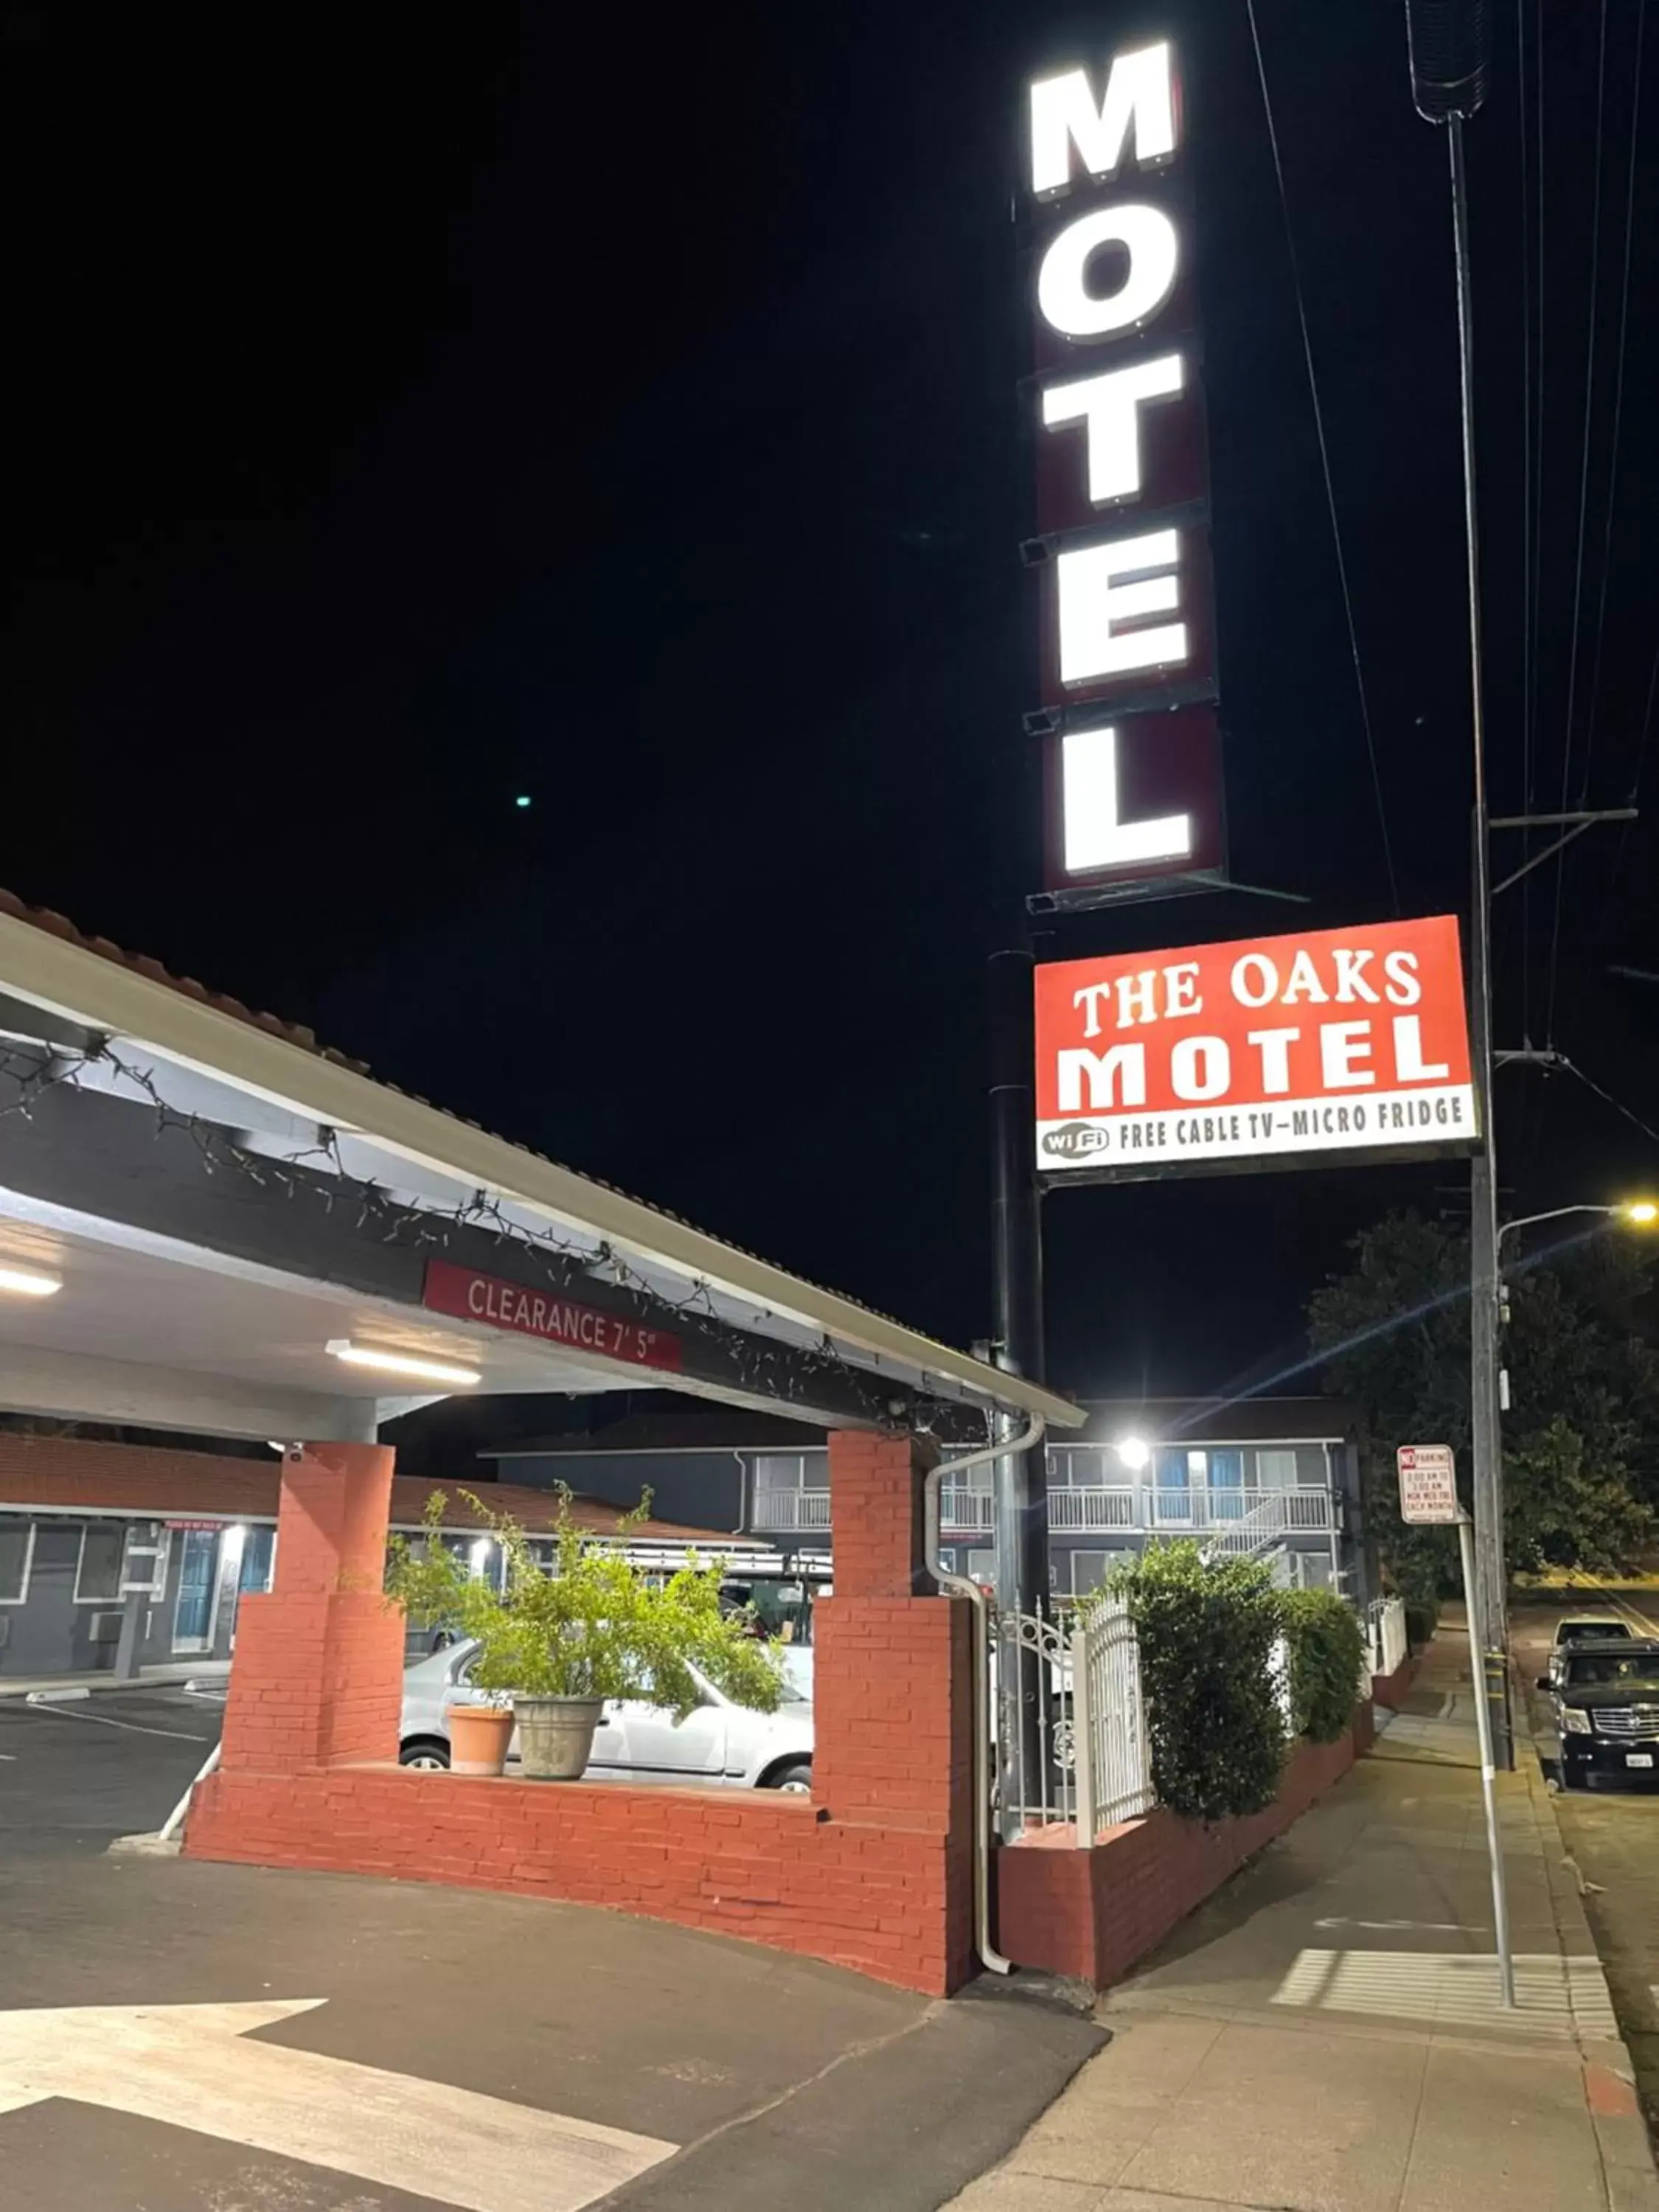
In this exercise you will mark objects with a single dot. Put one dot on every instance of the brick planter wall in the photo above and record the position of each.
(874, 1871)
(743, 1863)
(1092, 1915)
(1390, 1690)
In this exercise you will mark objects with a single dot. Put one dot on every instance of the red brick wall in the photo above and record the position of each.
(874, 1872)
(1094, 1914)
(317, 1680)
(777, 1870)
(1390, 1690)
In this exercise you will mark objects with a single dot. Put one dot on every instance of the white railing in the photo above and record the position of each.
(1114, 1753)
(1087, 1762)
(1093, 1508)
(1386, 1629)
(791, 1509)
(961, 1509)
(1099, 1508)
(1264, 1525)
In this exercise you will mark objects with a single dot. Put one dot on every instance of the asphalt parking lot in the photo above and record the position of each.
(73, 1775)
(190, 2038)
(1612, 1837)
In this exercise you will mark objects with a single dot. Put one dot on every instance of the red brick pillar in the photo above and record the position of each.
(317, 1680)
(892, 1691)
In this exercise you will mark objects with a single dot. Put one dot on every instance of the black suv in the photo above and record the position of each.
(1606, 1698)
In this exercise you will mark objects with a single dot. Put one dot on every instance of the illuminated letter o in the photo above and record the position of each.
(1269, 975)
(1200, 1067)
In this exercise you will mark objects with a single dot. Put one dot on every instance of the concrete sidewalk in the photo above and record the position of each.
(1326, 2036)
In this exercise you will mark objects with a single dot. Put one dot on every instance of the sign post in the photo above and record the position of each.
(1428, 1498)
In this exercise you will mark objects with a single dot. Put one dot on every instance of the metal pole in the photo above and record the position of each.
(1500, 1901)
(1020, 1482)
(1492, 1579)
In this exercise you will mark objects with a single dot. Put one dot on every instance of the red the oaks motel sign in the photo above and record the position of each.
(1270, 1051)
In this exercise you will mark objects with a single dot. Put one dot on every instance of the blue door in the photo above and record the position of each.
(192, 1615)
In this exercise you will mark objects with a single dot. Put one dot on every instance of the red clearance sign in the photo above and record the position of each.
(1260, 1052)
(558, 1320)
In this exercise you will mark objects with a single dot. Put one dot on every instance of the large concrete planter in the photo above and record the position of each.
(555, 1736)
(478, 1737)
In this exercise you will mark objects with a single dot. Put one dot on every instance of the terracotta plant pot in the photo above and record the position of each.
(478, 1737)
(555, 1736)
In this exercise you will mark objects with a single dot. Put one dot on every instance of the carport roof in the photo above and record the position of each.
(123, 1029)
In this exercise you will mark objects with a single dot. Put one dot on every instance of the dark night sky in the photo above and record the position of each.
(411, 408)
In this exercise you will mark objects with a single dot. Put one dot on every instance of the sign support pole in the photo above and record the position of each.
(1020, 1481)
(1500, 1902)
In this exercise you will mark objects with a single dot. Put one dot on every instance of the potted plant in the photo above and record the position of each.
(562, 1640)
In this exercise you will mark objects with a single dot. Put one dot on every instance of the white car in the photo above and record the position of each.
(717, 1742)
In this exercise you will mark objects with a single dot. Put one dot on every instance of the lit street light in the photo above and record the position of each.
(1640, 1212)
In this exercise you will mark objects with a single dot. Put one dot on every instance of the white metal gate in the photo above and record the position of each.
(1114, 1751)
(1087, 1761)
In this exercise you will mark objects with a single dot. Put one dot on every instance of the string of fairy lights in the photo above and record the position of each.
(780, 1371)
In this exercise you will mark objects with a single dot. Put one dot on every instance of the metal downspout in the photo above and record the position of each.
(963, 1586)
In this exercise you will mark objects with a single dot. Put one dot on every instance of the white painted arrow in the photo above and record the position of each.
(191, 2067)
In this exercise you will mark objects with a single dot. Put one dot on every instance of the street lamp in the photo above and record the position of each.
(1639, 1212)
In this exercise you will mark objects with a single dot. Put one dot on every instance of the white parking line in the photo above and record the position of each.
(132, 1727)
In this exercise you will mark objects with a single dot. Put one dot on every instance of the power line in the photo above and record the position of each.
(1618, 403)
(1528, 597)
(1324, 460)
(1617, 1104)
(1584, 493)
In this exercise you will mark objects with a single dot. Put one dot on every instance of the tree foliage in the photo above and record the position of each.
(1206, 1631)
(1325, 1644)
(593, 1625)
(1581, 1444)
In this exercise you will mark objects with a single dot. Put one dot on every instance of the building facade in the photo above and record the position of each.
(1276, 1477)
(99, 1537)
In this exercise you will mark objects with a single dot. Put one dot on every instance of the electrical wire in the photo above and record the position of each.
(1617, 1104)
(1325, 460)
(1617, 869)
(1583, 495)
(1530, 368)
(1618, 403)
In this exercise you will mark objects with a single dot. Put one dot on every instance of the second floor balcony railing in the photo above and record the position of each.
(787, 1510)
(1098, 1509)
(1094, 1509)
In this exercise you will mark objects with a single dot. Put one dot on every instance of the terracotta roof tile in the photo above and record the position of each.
(75, 1475)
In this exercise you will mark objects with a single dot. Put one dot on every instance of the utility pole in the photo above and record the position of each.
(1449, 43)
(1020, 1482)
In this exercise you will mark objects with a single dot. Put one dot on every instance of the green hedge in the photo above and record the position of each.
(1326, 1649)
(1206, 1634)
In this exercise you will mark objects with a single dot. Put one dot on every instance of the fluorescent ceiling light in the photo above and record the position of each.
(403, 1362)
(28, 1283)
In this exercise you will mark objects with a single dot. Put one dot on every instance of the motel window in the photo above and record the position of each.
(1089, 1572)
(97, 1570)
(982, 1567)
(777, 1471)
(16, 1553)
(1276, 1470)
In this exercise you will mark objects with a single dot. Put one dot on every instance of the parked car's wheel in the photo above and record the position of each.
(428, 1751)
(797, 1778)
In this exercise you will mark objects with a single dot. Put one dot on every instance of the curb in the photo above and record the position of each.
(1615, 2110)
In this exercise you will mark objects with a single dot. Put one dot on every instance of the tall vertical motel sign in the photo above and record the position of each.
(1134, 770)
